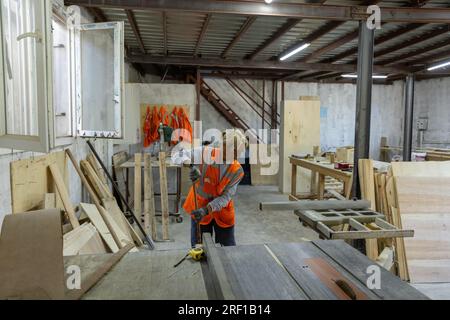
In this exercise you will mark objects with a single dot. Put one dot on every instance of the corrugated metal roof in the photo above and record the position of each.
(184, 29)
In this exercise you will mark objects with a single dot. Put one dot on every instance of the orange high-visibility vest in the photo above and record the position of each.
(147, 128)
(184, 123)
(212, 186)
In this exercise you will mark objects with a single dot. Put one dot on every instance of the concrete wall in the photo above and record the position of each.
(432, 102)
(337, 114)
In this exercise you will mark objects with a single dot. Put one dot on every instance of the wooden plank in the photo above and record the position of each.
(300, 133)
(94, 278)
(31, 180)
(31, 261)
(428, 169)
(83, 240)
(94, 215)
(50, 201)
(149, 199)
(119, 173)
(367, 181)
(316, 273)
(102, 191)
(164, 195)
(392, 288)
(106, 218)
(314, 205)
(138, 186)
(97, 169)
(64, 194)
(423, 204)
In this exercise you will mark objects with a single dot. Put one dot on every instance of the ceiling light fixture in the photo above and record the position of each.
(439, 66)
(295, 51)
(268, 1)
(354, 76)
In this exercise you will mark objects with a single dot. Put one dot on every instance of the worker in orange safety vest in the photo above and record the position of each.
(216, 181)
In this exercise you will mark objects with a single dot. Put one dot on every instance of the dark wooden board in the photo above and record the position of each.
(304, 262)
(392, 287)
(255, 275)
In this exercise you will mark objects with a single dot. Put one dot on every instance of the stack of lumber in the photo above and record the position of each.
(98, 228)
(416, 195)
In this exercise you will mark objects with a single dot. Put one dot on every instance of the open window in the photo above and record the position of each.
(25, 57)
(62, 127)
(99, 53)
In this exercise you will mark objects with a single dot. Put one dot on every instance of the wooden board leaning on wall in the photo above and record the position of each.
(31, 180)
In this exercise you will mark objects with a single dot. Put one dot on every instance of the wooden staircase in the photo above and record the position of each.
(221, 106)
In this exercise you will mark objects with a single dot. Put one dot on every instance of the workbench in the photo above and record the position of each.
(322, 170)
(320, 270)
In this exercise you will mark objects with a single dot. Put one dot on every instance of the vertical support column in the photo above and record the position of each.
(363, 100)
(198, 84)
(263, 103)
(138, 186)
(409, 116)
(274, 105)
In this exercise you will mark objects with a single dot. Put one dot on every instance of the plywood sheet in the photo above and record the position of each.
(300, 133)
(31, 180)
(424, 206)
(31, 259)
(426, 169)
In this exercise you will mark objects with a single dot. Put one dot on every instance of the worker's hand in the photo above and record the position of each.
(195, 174)
(200, 214)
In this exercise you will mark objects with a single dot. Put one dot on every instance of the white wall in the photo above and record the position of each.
(432, 101)
(337, 114)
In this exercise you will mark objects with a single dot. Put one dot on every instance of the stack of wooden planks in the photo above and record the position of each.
(98, 228)
(416, 195)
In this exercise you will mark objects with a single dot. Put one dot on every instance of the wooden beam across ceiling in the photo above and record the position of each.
(134, 26)
(287, 10)
(269, 65)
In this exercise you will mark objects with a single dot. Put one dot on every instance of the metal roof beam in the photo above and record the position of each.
(270, 65)
(202, 33)
(244, 28)
(134, 26)
(299, 11)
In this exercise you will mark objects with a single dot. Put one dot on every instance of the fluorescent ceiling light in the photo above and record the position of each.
(268, 1)
(354, 76)
(439, 66)
(295, 51)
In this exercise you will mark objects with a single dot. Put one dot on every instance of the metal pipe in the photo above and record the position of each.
(116, 188)
(408, 124)
(363, 100)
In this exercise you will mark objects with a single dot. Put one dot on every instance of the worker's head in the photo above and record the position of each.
(234, 144)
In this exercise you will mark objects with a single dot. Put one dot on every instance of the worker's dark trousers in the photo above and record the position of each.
(224, 236)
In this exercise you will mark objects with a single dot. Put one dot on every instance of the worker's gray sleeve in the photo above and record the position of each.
(222, 201)
(179, 157)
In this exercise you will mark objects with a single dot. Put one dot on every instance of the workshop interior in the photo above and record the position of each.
(231, 150)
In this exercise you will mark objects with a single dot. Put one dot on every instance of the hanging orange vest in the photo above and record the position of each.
(185, 124)
(210, 187)
(147, 128)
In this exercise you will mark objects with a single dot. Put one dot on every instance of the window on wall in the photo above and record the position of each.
(57, 82)
(24, 93)
(99, 79)
(62, 88)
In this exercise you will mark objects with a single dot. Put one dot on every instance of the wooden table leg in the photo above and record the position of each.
(321, 187)
(294, 181)
(313, 187)
(348, 188)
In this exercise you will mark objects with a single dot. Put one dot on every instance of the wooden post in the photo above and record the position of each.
(321, 189)
(294, 180)
(149, 199)
(198, 87)
(138, 186)
(164, 195)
